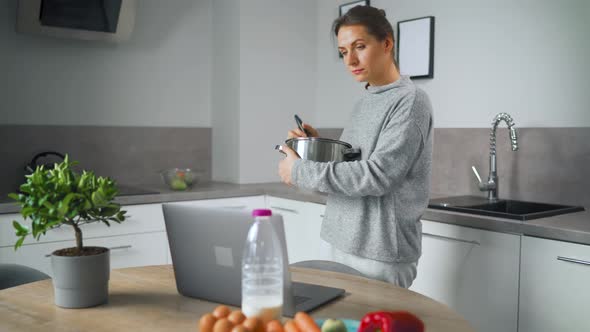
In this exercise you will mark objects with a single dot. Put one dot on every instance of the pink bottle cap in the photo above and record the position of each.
(261, 213)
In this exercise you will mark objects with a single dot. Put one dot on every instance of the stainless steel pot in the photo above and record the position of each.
(321, 149)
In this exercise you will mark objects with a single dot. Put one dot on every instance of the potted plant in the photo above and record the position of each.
(60, 197)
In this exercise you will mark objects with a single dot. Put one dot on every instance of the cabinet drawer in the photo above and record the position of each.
(285, 206)
(135, 250)
(33, 255)
(554, 289)
(247, 203)
(473, 271)
(141, 219)
(130, 250)
(303, 222)
(316, 210)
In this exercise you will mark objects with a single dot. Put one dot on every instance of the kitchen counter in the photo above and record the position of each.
(573, 227)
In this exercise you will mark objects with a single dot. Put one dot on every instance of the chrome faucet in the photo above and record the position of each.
(491, 186)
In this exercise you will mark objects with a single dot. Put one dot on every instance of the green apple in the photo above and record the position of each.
(333, 325)
(178, 184)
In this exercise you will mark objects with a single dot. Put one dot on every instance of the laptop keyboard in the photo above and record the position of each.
(299, 299)
(298, 288)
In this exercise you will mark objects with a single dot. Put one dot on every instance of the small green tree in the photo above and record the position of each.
(60, 196)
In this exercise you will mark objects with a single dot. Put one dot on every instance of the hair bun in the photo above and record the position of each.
(382, 12)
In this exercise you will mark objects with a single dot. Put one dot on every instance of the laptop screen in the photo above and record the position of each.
(206, 245)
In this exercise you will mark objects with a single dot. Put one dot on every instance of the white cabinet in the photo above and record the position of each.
(315, 216)
(302, 227)
(555, 286)
(126, 251)
(33, 255)
(139, 240)
(142, 218)
(475, 272)
(135, 250)
(239, 203)
(294, 219)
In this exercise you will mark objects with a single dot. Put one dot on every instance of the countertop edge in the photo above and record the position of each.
(549, 228)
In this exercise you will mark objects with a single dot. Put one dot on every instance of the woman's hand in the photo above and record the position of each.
(298, 133)
(286, 165)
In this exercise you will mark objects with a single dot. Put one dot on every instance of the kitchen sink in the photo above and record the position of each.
(511, 209)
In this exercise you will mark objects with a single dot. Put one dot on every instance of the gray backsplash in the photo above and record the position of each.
(551, 164)
(131, 155)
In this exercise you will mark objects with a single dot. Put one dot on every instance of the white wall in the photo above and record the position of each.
(277, 79)
(264, 72)
(336, 90)
(161, 77)
(225, 90)
(528, 58)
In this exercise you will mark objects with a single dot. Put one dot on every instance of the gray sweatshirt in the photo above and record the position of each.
(374, 204)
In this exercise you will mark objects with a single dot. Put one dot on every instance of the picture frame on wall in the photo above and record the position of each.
(415, 47)
(344, 8)
(347, 6)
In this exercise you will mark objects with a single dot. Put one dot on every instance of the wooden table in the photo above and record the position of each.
(145, 299)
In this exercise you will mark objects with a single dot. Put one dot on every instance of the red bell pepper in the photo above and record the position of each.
(378, 320)
(391, 321)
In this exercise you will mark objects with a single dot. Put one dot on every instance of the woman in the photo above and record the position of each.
(374, 205)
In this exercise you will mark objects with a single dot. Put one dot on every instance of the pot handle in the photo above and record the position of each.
(280, 149)
(352, 153)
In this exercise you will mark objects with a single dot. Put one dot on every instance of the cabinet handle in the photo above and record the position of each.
(451, 239)
(284, 209)
(572, 260)
(121, 247)
(112, 248)
(321, 215)
(234, 207)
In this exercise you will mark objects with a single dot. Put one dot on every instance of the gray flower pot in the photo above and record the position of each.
(81, 281)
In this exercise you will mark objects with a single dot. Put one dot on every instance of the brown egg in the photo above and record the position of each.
(274, 326)
(240, 328)
(253, 324)
(206, 323)
(221, 311)
(290, 325)
(236, 317)
(223, 325)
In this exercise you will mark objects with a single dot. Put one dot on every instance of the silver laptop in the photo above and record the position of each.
(206, 245)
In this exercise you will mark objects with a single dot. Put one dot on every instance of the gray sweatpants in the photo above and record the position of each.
(400, 274)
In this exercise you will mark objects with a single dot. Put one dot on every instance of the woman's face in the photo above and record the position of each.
(364, 56)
